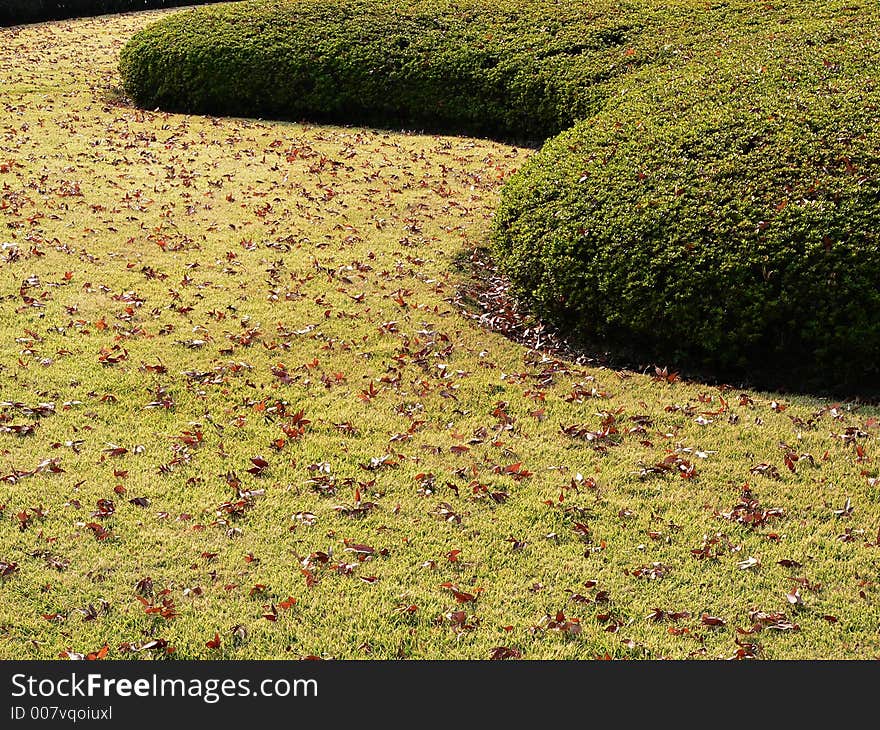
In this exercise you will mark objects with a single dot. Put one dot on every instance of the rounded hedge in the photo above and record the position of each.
(724, 215)
(508, 68)
(717, 206)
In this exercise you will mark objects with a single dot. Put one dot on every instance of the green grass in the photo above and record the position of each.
(279, 243)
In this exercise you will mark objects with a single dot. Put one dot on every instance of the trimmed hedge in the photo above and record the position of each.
(512, 69)
(15, 12)
(717, 208)
(724, 215)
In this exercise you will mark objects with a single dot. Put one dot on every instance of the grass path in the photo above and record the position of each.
(244, 417)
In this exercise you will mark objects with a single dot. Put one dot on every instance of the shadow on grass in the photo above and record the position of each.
(486, 297)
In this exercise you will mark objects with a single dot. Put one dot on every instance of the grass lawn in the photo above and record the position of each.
(244, 416)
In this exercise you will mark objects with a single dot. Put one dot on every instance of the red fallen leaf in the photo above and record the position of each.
(288, 603)
(159, 368)
(368, 394)
(664, 376)
(457, 618)
(259, 465)
(106, 356)
(461, 596)
(504, 652)
(516, 470)
(369, 578)
(105, 508)
(24, 520)
(299, 419)
(309, 576)
(560, 623)
(144, 586)
(746, 650)
(786, 563)
(360, 550)
(165, 609)
(765, 469)
(708, 620)
(830, 619)
(452, 555)
(774, 620)
(98, 655)
(582, 531)
(319, 556)
(7, 568)
(101, 533)
(215, 642)
(658, 614)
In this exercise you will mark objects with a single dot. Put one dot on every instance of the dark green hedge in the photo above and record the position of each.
(514, 69)
(15, 12)
(724, 215)
(717, 207)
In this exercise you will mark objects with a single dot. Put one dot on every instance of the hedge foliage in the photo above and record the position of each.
(15, 12)
(724, 214)
(521, 70)
(717, 206)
